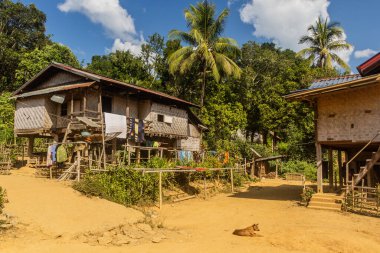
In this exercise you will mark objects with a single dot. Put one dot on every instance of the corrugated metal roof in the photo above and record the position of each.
(326, 82)
(53, 89)
(109, 80)
(98, 78)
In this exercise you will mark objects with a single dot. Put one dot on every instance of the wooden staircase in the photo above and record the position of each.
(326, 201)
(368, 166)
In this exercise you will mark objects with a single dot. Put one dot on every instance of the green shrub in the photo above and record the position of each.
(306, 195)
(121, 185)
(130, 187)
(296, 166)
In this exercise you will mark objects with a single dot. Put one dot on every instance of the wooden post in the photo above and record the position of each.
(160, 187)
(276, 168)
(204, 184)
(114, 147)
(245, 166)
(72, 106)
(232, 180)
(148, 154)
(331, 170)
(319, 168)
(129, 155)
(369, 178)
(30, 146)
(340, 169)
(102, 124)
(85, 102)
(253, 165)
(138, 155)
(78, 165)
(353, 192)
(51, 171)
(23, 155)
(161, 153)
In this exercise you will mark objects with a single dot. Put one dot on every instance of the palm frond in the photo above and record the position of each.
(184, 36)
(340, 62)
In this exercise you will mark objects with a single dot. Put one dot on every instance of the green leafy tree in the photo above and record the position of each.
(152, 55)
(206, 50)
(6, 117)
(33, 62)
(22, 29)
(324, 40)
(268, 74)
(121, 65)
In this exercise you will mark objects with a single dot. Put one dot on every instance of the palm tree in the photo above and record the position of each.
(206, 49)
(324, 40)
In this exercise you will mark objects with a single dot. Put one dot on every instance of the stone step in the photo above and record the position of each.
(325, 208)
(327, 195)
(324, 204)
(326, 200)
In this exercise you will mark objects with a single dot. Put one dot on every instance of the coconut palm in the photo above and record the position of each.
(205, 48)
(324, 40)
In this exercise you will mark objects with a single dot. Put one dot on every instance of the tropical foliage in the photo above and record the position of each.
(242, 88)
(33, 62)
(325, 40)
(22, 29)
(206, 50)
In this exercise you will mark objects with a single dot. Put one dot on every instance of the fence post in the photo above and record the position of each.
(78, 168)
(232, 180)
(160, 187)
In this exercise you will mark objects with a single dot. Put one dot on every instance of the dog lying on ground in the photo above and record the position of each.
(248, 231)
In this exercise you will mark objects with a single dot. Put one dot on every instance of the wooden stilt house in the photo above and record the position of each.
(72, 105)
(347, 120)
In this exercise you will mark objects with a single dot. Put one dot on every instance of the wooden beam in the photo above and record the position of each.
(102, 122)
(30, 146)
(319, 168)
(340, 168)
(160, 187)
(331, 169)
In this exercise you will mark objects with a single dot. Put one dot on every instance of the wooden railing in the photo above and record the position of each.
(362, 199)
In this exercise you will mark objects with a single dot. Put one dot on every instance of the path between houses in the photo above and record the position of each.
(57, 209)
(203, 225)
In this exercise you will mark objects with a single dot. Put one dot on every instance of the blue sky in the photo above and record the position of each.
(94, 27)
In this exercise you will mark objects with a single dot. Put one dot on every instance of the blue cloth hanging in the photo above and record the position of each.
(132, 128)
(141, 133)
(54, 152)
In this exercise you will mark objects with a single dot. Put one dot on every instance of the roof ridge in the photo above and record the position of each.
(134, 86)
(333, 78)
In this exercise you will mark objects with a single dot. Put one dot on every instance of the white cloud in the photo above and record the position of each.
(285, 21)
(133, 47)
(366, 53)
(116, 20)
(231, 2)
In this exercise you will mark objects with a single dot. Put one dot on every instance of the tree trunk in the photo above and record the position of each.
(203, 86)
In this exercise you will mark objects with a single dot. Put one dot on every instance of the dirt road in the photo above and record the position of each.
(201, 225)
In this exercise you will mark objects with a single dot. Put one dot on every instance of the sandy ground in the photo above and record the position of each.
(47, 209)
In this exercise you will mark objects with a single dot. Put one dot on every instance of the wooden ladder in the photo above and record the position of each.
(368, 166)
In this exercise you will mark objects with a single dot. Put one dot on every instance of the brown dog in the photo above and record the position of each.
(248, 231)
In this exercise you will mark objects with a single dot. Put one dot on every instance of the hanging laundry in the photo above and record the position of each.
(156, 144)
(49, 161)
(116, 124)
(61, 154)
(182, 155)
(54, 153)
(189, 155)
(131, 128)
(136, 129)
(141, 133)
